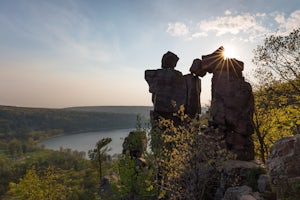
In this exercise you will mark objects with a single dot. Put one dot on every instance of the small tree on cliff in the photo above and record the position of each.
(134, 171)
(99, 153)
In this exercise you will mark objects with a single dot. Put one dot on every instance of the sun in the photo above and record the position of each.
(229, 52)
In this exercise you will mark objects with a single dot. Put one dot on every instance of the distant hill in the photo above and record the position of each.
(141, 110)
(76, 119)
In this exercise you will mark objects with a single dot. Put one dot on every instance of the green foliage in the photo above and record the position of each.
(15, 147)
(288, 191)
(99, 154)
(296, 186)
(278, 59)
(133, 173)
(135, 143)
(142, 111)
(33, 187)
(190, 162)
(6, 174)
(296, 189)
(273, 119)
(22, 128)
(135, 181)
(102, 143)
(277, 112)
(54, 183)
(73, 169)
(156, 141)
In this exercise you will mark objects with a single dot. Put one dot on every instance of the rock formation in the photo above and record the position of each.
(232, 103)
(242, 193)
(193, 84)
(170, 89)
(135, 144)
(284, 166)
(232, 99)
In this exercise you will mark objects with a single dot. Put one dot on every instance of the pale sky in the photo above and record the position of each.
(62, 53)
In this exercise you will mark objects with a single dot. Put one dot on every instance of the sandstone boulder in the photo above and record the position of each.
(264, 183)
(284, 159)
(241, 193)
(284, 166)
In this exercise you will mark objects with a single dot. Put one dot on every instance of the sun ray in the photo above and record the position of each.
(232, 61)
(224, 60)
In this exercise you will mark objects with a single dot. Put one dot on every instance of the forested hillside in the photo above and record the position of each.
(141, 110)
(18, 119)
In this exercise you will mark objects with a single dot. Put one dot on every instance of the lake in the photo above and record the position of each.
(87, 141)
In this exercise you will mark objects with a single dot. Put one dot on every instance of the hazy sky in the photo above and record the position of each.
(62, 53)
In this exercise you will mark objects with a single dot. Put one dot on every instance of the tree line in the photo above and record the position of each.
(20, 120)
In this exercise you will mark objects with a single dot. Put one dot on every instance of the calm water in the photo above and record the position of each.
(86, 141)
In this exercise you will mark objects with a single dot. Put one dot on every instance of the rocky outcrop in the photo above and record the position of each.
(241, 193)
(135, 144)
(264, 183)
(170, 89)
(193, 86)
(238, 173)
(232, 99)
(284, 166)
(232, 103)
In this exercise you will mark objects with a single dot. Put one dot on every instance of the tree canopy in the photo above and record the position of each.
(277, 111)
(278, 59)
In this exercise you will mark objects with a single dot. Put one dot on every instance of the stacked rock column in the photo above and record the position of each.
(232, 103)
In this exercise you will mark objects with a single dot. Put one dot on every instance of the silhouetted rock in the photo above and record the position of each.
(193, 104)
(197, 68)
(169, 60)
(232, 103)
(170, 89)
(232, 108)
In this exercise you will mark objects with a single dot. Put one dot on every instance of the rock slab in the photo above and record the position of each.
(284, 166)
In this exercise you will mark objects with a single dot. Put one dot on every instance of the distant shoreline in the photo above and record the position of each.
(94, 130)
(82, 132)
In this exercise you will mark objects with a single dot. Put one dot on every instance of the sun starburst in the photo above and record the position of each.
(229, 52)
